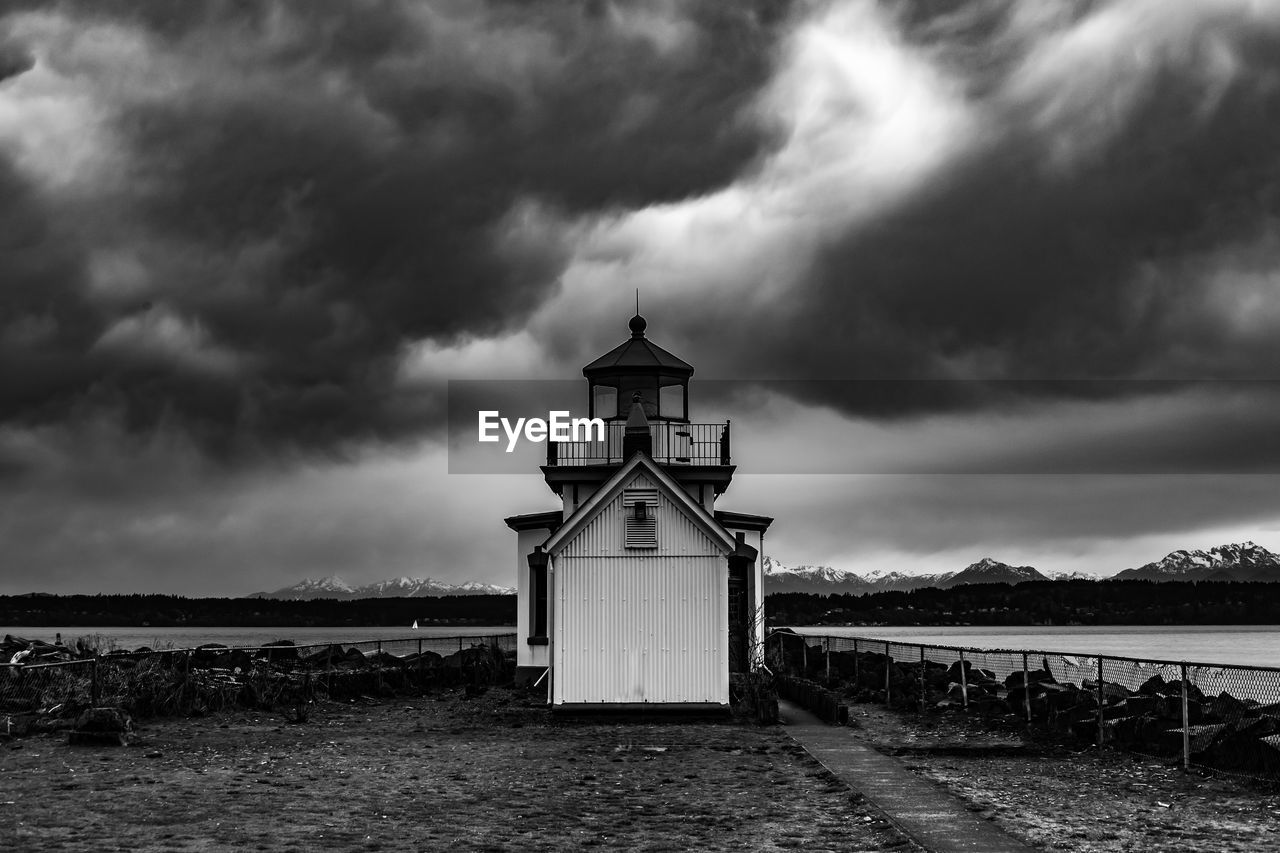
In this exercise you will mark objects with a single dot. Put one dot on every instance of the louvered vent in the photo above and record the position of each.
(641, 524)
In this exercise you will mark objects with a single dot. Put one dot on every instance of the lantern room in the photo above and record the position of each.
(639, 366)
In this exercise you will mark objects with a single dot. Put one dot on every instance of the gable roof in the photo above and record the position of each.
(615, 484)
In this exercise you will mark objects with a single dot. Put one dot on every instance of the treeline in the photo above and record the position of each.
(165, 611)
(1107, 602)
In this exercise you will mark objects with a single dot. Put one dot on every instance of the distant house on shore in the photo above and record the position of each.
(638, 591)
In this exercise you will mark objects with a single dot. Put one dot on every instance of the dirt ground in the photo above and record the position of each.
(1070, 797)
(430, 774)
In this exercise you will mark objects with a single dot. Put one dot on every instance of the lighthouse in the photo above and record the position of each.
(639, 592)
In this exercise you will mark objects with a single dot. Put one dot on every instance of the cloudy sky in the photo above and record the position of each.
(244, 247)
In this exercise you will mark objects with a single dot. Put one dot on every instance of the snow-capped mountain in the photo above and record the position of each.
(1234, 562)
(826, 580)
(330, 587)
(402, 587)
(782, 578)
(990, 570)
(1071, 576)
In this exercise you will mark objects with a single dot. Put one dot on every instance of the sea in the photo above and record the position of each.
(1240, 645)
(187, 638)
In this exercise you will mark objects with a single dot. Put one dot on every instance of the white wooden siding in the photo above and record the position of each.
(636, 626)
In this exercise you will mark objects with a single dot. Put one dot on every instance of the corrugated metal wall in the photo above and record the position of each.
(641, 625)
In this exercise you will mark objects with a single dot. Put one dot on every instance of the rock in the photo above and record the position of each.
(386, 659)
(1153, 686)
(1111, 692)
(1140, 704)
(428, 659)
(1241, 752)
(1035, 676)
(953, 672)
(101, 727)
(324, 656)
(1170, 708)
(103, 720)
(279, 650)
(1199, 737)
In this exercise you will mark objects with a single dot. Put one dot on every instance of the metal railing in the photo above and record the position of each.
(673, 443)
(1216, 717)
(47, 696)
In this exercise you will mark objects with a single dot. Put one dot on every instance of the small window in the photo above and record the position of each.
(641, 523)
(671, 401)
(604, 402)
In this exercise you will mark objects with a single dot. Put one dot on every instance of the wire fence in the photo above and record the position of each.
(47, 686)
(1206, 715)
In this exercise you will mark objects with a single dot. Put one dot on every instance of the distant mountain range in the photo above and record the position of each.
(1244, 562)
(336, 587)
(824, 579)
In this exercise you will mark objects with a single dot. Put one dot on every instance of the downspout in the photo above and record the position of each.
(552, 625)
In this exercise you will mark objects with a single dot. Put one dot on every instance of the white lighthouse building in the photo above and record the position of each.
(638, 592)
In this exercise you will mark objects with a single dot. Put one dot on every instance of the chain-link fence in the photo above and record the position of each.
(48, 694)
(1212, 716)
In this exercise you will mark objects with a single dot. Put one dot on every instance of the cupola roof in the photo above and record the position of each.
(638, 355)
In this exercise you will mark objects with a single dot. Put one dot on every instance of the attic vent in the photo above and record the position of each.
(641, 525)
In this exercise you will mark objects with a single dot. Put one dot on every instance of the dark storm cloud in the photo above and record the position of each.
(1111, 218)
(298, 191)
(1039, 272)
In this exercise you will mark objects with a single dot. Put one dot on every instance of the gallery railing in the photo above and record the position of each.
(672, 443)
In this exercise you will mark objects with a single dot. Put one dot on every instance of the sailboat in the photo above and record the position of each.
(415, 624)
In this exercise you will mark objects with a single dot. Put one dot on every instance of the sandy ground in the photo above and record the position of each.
(1065, 796)
(430, 774)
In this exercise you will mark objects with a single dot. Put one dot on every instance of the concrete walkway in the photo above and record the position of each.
(925, 812)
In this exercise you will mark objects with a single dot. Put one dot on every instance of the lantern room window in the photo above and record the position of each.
(604, 401)
(671, 400)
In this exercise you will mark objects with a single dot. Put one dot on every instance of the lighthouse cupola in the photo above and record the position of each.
(638, 366)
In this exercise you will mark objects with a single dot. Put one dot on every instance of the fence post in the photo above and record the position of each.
(964, 682)
(922, 697)
(826, 641)
(1186, 724)
(888, 662)
(804, 657)
(379, 648)
(1100, 701)
(93, 684)
(1026, 689)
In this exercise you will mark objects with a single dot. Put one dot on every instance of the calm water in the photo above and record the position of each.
(1253, 645)
(184, 638)
(1257, 645)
